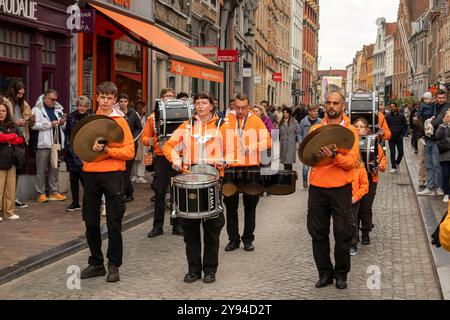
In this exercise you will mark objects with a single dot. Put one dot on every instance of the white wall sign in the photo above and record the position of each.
(257, 80)
(21, 8)
(247, 72)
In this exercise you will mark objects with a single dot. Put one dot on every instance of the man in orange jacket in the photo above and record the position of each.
(105, 175)
(245, 138)
(330, 195)
(163, 172)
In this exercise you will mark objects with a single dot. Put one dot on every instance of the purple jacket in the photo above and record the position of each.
(268, 123)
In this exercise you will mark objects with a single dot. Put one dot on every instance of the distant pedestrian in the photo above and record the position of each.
(397, 124)
(289, 135)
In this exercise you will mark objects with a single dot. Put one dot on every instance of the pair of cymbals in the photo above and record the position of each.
(325, 136)
(91, 129)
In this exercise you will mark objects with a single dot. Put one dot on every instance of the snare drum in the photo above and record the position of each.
(281, 183)
(196, 196)
(368, 147)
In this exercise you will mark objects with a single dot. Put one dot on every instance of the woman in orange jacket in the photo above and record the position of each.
(365, 209)
(360, 187)
(200, 140)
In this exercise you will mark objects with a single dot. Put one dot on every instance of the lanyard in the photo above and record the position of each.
(241, 130)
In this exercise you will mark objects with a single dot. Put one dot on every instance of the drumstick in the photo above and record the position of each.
(185, 170)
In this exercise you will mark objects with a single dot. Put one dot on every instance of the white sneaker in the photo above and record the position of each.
(103, 210)
(133, 178)
(445, 198)
(439, 192)
(141, 180)
(1, 219)
(13, 217)
(392, 171)
(426, 192)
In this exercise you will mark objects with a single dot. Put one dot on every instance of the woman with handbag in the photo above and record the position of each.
(10, 139)
(442, 136)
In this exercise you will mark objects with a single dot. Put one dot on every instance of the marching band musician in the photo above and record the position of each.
(105, 175)
(246, 138)
(163, 172)
(200, 140)
(330, 195)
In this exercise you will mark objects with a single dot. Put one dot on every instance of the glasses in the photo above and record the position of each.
(52, 99)
(240, 108)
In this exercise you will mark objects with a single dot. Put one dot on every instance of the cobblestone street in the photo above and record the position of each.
(281, 267)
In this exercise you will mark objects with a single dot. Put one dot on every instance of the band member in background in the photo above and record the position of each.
(360, 187)
(192, 138)
(365, 214)
(330, 195)
(105, 176)
(248, 138)
(163, 172)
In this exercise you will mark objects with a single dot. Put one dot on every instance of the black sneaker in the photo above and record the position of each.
(365, 239)
(93, 271)
(210, 277)
(154, 233)
(113, 274)
(232, 246)
(191, 277)
(73, 207)
(21, 205)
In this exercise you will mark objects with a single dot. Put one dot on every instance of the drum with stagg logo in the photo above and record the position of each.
(368, 148)
(196, 196)
(170, 114)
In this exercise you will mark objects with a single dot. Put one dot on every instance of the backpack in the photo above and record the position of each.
(441, 236)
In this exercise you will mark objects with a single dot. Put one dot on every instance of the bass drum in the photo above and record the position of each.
(281, 183)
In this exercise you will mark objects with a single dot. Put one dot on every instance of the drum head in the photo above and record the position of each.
(195, 178)
(204, 168)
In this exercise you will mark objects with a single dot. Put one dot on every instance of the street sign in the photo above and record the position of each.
(277, 77)
(257, 80)
(208, 52)
(227, 55)
(247, 72)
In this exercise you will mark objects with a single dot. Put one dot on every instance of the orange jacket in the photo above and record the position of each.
(383, 125)
(360, 183)
(381, 164)
(187, 139)
(150, 132)
(255, 138)
(340, 172)
(118, 153)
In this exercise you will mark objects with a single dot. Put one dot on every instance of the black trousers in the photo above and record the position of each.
(396, 142)
(324, 203)
(355, 223)
(365, 209)
(128, 189)
(232, 204)
(161, 180)
(95, 185)
(76, 177)
(211, 235)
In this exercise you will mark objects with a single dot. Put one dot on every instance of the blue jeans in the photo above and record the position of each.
(305, 173)
(432, 165)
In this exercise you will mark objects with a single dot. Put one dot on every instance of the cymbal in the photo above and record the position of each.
(326, 136)
(91, 129)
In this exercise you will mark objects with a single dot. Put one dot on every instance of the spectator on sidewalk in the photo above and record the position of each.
(21, 113)
(289, 135)
(441, 107)
(50, 123)
(10, 139)
(134, 122)
(306, 124)
(398, 127)
(139, 165)
(415, 127)
(443, 140)
(433, 168)
(269, 114)
(74, 164)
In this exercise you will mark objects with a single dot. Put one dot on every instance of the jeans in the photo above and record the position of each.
(305, 173)
(446, 177)
(432, 165)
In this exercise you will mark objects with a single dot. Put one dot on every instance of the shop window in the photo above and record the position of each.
(49, 51)
(88, 65)
(14, 44)
(11, 72)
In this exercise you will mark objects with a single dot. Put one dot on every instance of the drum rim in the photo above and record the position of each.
(198, 215)
(201, 185)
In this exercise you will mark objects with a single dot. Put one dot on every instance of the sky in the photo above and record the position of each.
(347, 25)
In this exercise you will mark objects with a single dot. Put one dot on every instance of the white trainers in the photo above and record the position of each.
(141, 180)
(445, 198)
(1, 219)
(439, 192)
(13, 217)
(133, 178)
(426, 192)
(392, 171)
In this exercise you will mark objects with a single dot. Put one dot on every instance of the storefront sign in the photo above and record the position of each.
(122, 3)
(80, 20)
(277, 77)
(21, 8)
(257, 80)
(227, 56)
(207, 52)
(247, 72)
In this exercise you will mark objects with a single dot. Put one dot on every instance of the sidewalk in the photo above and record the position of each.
(46, 232)
(432, 209)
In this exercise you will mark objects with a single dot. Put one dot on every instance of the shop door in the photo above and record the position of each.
(104, 51)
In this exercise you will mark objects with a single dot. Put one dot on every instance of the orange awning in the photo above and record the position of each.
(184, 60)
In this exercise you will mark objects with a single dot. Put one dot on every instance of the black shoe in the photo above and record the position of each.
(93, 271)
(191, 277)
(232, 246)
(154, 233)
(129, 198)
(341, 284)
(73, 207)
(113, 274)
(248, 247)
(21, 205)
(323, 282)
(178, 231)
(210, 277)
(365, 239)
